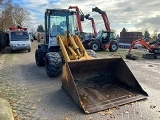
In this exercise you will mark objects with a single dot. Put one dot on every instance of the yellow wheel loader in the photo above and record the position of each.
(94, 84)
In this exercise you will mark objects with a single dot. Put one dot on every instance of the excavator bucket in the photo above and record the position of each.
(131, 57)
(100, 84)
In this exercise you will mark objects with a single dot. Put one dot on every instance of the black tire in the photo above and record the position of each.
(12, 51)
(94, 46)
(39, 58)
(153, 42)
(155, 56)
(113, 47)
(53, 62)
(29, 50)
(91, 53)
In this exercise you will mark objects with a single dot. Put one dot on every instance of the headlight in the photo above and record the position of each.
(27, 45)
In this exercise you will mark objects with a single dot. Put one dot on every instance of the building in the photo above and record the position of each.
(126, 38)
(129, 37)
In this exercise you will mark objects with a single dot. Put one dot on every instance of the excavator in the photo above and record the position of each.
(94, 84)
(152, 47)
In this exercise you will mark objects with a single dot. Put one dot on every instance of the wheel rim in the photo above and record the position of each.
(114, 47)
(95, 47)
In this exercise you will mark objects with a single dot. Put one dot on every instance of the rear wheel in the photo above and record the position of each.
(29, 50)
(53, 64)
(113, 47)
(39, 58)
(94, 46)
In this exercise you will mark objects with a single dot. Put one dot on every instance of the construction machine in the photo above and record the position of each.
(94, 84)
(152, 47)
(87, 16)
(105, 39)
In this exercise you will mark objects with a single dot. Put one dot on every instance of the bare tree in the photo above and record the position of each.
(20, 15)
(1, 4)
(6, 20)
(12, 15)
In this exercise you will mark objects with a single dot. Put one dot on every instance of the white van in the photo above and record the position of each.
(19, 39)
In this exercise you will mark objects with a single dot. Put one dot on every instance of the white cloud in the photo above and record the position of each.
(133, 15)
(36, 2)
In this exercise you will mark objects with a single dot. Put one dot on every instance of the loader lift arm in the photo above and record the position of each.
(72, 48)
(93, 23)
(104, 16)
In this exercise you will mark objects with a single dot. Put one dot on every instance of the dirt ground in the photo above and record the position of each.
(35, 96)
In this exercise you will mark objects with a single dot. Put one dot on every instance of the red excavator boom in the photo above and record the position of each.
(93, 23)
(79, 19)
(104, 16)
(142, 42)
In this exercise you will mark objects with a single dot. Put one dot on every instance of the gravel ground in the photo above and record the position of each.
(35, 96)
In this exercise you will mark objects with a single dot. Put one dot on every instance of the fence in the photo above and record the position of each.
(4, 41)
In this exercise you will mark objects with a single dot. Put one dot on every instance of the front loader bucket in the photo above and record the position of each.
(99, 84)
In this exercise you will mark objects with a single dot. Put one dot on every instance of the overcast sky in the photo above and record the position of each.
(134, 15)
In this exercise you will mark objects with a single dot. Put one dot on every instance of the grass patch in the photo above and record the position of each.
(8, 57)
(122, 53)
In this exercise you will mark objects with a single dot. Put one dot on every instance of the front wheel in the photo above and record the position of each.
(53, 62)
(94, 46)
(39, 58)
(113, 47)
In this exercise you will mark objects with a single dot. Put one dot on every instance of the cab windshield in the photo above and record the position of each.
(110, 35)
(19, 36)
(99, 35)
(59, 24)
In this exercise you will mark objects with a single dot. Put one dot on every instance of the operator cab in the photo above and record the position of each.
(57, 22)
(105, 36)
